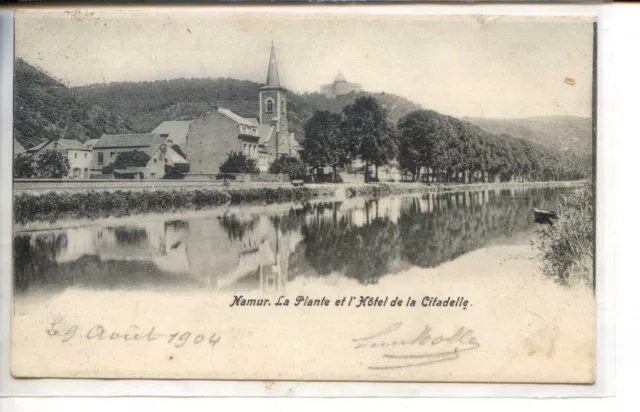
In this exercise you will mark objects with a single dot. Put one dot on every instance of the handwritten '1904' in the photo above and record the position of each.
(58, 328)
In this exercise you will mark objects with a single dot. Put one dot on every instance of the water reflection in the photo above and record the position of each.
(244, 249)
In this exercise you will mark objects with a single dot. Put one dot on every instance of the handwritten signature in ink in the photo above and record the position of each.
(419, 349)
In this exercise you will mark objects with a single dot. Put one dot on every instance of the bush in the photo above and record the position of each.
(23, 166)
(176, 171)
(52, 205)
(238, 162)
(567, 246)
(51, 164)
(290, 165)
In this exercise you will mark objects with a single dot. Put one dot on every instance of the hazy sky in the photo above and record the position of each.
(459, 66)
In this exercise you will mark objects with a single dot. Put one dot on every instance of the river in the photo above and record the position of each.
(252, 248)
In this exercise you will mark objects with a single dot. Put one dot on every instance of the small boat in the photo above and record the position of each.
(544, 216)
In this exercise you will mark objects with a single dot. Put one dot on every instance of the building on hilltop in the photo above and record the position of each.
(79, 156)
(339, 87)
(157, 147)
(214, 134)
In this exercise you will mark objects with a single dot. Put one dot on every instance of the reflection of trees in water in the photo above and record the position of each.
(365, 253)
(129, 235)
(293, 220)
(363, 244)
(235, 227)
(34, 256)
(429, 231)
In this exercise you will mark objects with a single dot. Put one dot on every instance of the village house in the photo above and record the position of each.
(157, 147)
(214, 134)
(175, 130)
(79, 156)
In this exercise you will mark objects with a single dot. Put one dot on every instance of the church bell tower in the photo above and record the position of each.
(273, 97)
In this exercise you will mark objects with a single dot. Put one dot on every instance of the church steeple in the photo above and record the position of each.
(273, 97)
(273, 80)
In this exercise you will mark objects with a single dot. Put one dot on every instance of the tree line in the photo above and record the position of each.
(428, 146)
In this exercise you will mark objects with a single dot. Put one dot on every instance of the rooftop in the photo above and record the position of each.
(126, 140)
(176, 130)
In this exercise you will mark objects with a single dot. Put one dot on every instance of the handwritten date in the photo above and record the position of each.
(58, 328)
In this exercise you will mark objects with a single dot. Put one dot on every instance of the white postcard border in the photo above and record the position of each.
(606, 220)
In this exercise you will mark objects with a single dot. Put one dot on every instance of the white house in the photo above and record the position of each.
(79, 156)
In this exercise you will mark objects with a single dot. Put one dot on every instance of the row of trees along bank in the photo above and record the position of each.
(430, 146)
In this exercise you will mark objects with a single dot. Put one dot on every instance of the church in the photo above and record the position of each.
(214, 134)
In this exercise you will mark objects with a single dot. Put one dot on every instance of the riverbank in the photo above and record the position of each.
(53, 204)
(528, 328)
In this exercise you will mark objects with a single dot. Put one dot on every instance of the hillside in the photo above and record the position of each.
(44, 108)
(148, 104)
(564, 133)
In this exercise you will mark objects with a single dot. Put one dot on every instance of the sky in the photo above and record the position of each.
(462, 66)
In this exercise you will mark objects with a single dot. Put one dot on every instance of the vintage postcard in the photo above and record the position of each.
(286, 194)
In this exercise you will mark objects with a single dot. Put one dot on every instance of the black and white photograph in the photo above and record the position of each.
(292, 195)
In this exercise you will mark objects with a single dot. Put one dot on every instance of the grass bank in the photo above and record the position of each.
(53, 205)
(567, 246)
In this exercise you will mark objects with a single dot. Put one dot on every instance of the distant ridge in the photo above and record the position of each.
(563, 133)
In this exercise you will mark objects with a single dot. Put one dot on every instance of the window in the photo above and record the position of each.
(86, 155)
(75, 155)
(282, 105)
(100, 158)
(165, 160)
(269, 108)
(112, 154)
(155, 160)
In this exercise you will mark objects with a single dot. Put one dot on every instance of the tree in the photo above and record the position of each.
(323, 144)
(290, 165)
(175, 171)
(131, 158)
(238, 162)
(370, 135)
(423, 140)
(52, 164)
(23, 166)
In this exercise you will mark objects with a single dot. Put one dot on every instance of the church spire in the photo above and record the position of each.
(272, 75)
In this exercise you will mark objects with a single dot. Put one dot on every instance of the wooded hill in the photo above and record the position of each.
(149, 103)
(562, 133)
(44, 108)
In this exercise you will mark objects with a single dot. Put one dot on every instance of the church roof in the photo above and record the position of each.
(340, 78)
(273, 80)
